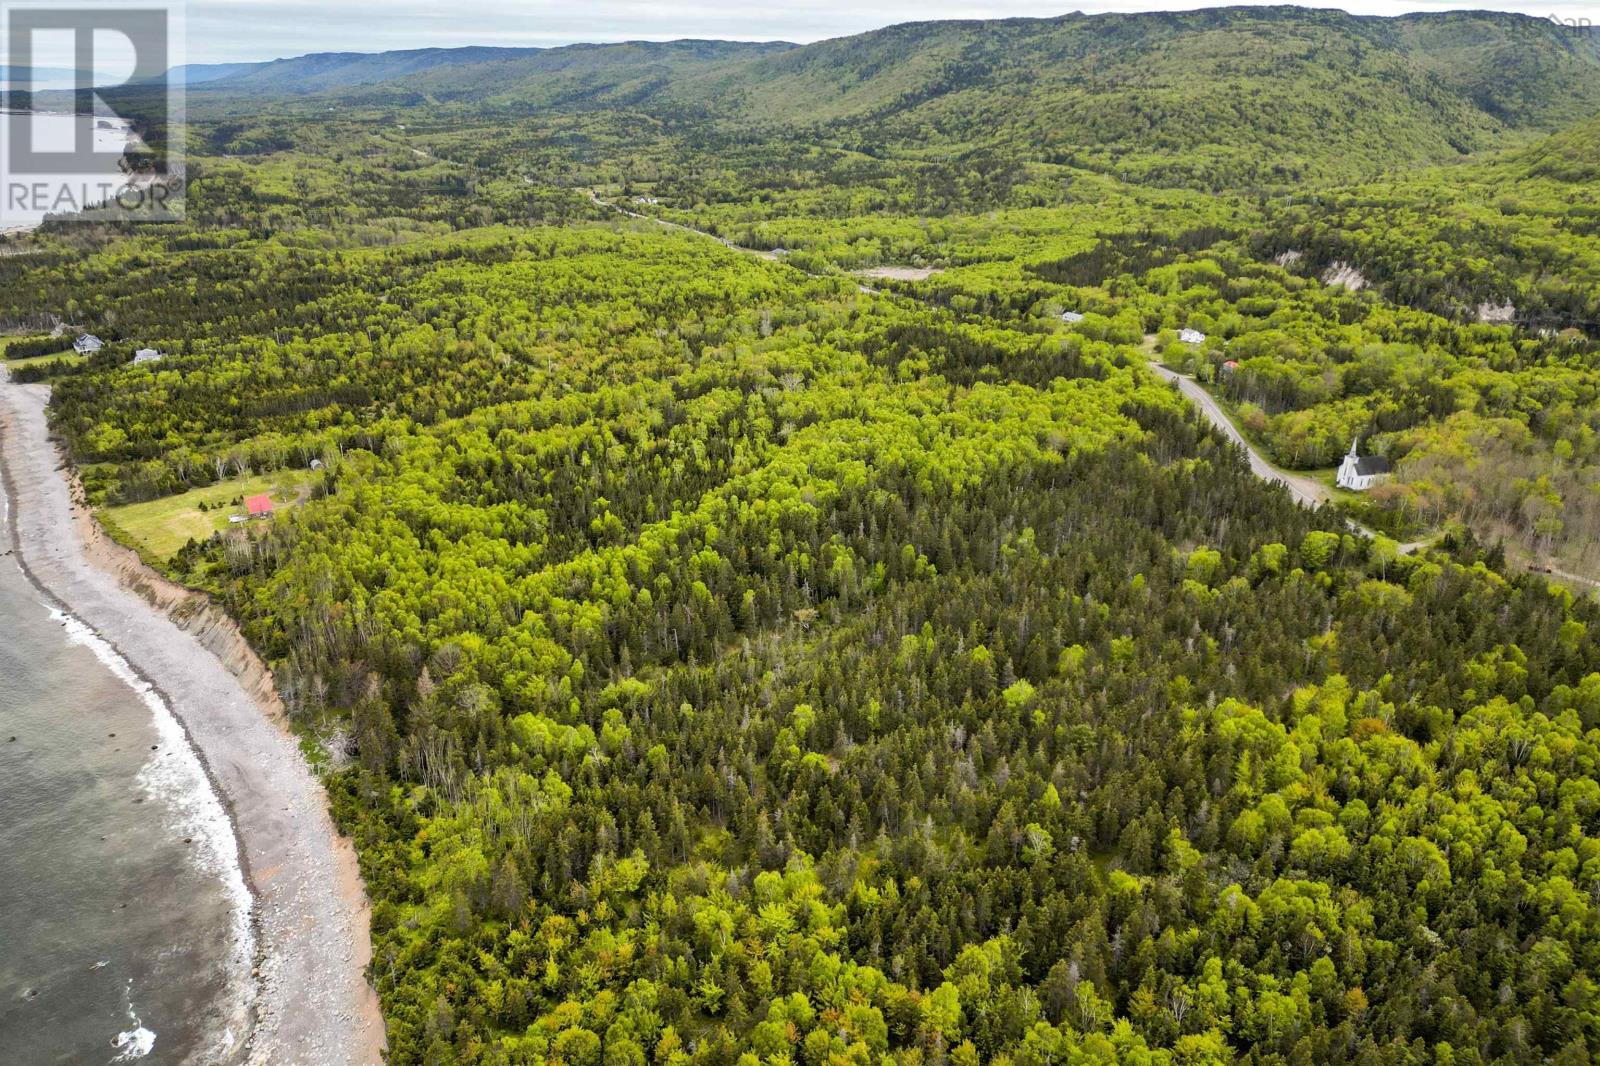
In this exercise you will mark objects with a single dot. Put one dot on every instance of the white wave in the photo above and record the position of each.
(174, 775)
(135, 1042)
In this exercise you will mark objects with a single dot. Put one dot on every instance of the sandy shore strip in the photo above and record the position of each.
(313, 1003)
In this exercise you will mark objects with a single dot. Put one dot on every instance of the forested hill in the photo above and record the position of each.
(723, 659)
(1515, 68)
(342, 70)
(579, 74)
(1572, 156)
(1306, 86)
(1212, 99)
(1519, 231)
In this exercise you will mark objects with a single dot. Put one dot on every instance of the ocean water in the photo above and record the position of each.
(62, 193)
(124, 917)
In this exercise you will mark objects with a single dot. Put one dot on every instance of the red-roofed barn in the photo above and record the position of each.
(258, 506)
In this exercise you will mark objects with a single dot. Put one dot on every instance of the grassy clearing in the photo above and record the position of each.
(58, 360)
(159, 528)
(1329, 476)
(66, 357)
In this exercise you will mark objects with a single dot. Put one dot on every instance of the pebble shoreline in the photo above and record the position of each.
(313, 1004)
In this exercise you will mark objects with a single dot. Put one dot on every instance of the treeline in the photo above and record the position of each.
(1487, 424)
(28, 347)
(1513, 237)
(732, 664)
(719, 664)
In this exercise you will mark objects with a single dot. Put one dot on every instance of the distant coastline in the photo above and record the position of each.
(9, 227)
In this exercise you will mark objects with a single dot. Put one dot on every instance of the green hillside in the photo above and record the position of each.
(578, 75)
(342, 70)
(1572, 156)
(752, 602)
(1521, 229)
(1221, 98)
(1214, 97)
(1527, 72)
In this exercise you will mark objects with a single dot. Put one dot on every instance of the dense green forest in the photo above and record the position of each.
(1218, 98)
(721, 655)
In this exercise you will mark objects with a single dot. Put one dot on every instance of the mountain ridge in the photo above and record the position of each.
(1221, 97)
(330, 71)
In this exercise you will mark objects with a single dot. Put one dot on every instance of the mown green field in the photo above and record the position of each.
(59, 360)
(160, 527)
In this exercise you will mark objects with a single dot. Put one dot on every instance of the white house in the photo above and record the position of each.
(1191, 336)
(1358, 473)
(146, 355)
(87, 344)
(1071, 316)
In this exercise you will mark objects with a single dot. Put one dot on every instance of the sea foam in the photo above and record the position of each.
(174, 775)
(135, 1042)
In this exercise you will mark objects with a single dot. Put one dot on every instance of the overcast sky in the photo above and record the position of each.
(222, 31)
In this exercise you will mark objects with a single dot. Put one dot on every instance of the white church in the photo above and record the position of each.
(1358, 473)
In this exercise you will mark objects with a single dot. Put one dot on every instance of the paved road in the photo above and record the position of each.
(758, 252)
(1307, 491)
